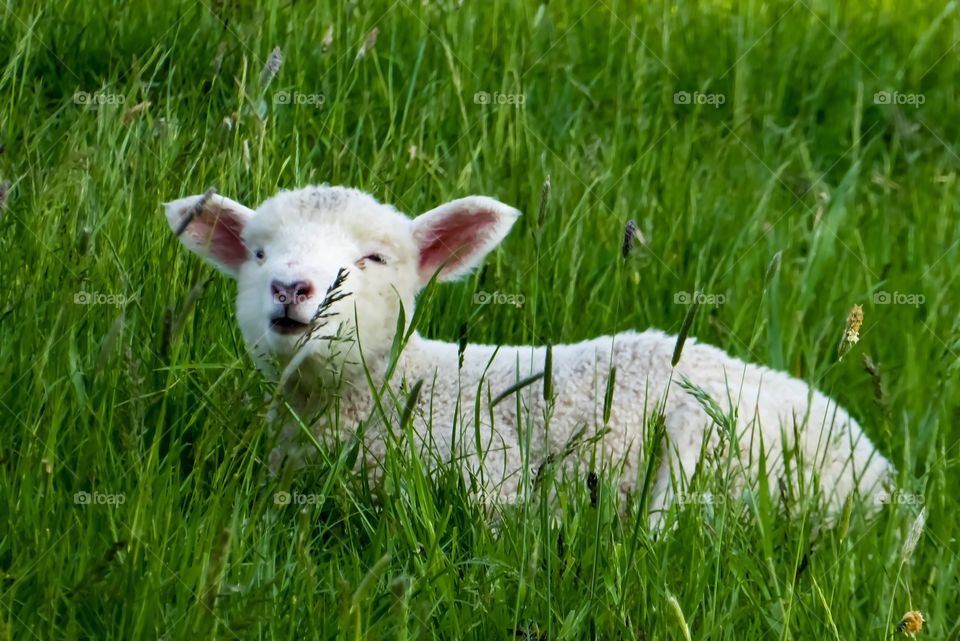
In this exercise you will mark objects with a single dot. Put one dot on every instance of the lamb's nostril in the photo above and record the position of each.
(279, 292)
(303, 289)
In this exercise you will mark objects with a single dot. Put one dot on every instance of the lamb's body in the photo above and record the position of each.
(324, 270)
(832, 449)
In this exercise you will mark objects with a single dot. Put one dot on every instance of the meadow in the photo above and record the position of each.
(783, 161)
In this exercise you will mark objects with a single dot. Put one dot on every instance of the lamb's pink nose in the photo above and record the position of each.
(291, 293)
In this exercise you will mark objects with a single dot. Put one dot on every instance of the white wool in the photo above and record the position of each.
(310, 235)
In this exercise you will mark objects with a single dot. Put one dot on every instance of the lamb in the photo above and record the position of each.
(325, 272)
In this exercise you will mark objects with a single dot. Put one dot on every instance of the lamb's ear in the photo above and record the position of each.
(214, 231)
(459, 234)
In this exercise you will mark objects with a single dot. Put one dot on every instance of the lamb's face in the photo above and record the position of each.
(326, 267)
(322, 272)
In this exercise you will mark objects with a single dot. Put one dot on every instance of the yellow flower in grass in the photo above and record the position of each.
(911, 623)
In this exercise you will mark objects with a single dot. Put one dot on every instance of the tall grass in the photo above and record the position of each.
(736, 134)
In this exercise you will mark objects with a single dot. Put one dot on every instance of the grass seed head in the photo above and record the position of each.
(678, 615)
(195, 211)
(879, 389)
(462, 344)
(685, 328)
(271, 68)
(913, 536)
(217, 63)
(548, 374)
(544, 201)
(83, 240)
(327, 41)
(218, 557)
(629, 237)
(368, 44)
(230, 121)
(135, 111)
(773, 268)
(851, 332)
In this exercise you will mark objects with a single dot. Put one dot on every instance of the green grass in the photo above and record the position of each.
(153, 399)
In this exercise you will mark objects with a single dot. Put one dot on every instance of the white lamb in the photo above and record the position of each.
(322, 273)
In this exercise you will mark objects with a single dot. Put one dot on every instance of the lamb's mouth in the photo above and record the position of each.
(288, 326)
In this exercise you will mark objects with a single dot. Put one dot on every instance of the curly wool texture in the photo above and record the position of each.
(772, 407)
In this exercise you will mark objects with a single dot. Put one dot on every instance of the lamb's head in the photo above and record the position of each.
(323, 271)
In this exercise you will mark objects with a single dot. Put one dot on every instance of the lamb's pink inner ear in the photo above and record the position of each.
(453, 239)
(220, 230)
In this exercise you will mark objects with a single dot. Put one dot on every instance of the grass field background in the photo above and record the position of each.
(787, 159)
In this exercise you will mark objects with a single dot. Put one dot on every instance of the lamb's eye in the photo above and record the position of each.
(375, 258)
(260, 254)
